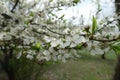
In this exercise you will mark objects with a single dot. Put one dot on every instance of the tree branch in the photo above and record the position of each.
(107, 40)
(44, 26)
(53, 31)
(16, 3)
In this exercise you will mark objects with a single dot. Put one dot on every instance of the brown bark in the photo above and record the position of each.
(103, 56)
(5, 62)
(117, 70)
(117, 4)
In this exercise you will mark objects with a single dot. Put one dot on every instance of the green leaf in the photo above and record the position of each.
(48, 21)
(116, 49)
(94, 25)
(50, 0)
(75, 1)
(27, 22)
(37, 46)
(79, 46)
(31, 14)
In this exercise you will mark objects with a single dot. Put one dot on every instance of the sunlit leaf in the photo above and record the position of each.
(116, 49)
(76, 1)
(48, 21)
(37, 46)
(79, 46)
(50, 0)
(27, 22)
(31, 14)
(94, 25)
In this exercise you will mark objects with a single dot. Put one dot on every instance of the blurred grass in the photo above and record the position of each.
(87, 67)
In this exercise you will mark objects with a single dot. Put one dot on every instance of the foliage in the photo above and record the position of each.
(94, 25)
(27, 69)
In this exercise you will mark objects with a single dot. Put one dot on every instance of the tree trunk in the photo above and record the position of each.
(11, 75)
(117, 70)
(103, 56)
(7, 67)
(117, 4)
(9, 70)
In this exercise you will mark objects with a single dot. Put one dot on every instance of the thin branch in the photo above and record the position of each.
(49, 29)
(105, 25)
(53, 31)
(6, 16)
(100, 40)
(107, 40)
(16, 3)
(40, 32)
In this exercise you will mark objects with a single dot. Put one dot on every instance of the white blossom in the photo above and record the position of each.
(34, 21)
(19, 55)
(47, 55)
(29, 56)
(66, 31)
(55, 43)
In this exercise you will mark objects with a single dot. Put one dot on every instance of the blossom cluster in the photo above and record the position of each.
(31, 32)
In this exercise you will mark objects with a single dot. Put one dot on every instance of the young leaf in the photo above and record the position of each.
(27, 22)
(31, 14)
(50, 0)
(116, 49)
(37, 46)
(79, 46)
(75, 1)
(94, 25)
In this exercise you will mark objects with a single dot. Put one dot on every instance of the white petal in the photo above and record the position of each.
(61, 51)
(64, 44)
(66, 55)
(59, 57)
(46, 53)
(19, 54)
(107, 49)
(100, 51)
(48, 58)
(66, 31)
(47, 39)
(54, 58)
(55, 43)
(75, 37)
(51, 49)
(73, 45)
(93, 52)
(29, 56)
(63, 60)
(68, 38)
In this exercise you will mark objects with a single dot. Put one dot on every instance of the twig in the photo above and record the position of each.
(6, 16)
(40, 32)
(16, 3)
(107, 40)
(53, 31)
(49, 29)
